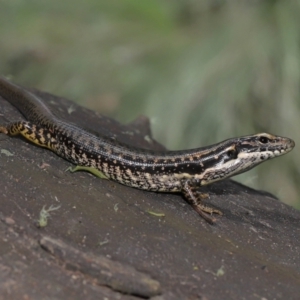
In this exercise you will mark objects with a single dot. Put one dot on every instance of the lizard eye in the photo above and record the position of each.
(232, 154)
(263, 139)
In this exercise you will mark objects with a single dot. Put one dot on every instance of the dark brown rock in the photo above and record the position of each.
(252, 252)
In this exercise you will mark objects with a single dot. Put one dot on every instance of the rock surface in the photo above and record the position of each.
(108, 241)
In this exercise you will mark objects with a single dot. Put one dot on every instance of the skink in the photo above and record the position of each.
(168, 171)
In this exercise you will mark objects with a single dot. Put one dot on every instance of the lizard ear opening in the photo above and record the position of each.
(232, 153)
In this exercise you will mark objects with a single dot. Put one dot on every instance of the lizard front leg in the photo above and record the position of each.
(195, 198)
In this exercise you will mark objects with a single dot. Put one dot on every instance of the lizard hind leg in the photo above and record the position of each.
(195, 199)
(36, 134)
(14, 128)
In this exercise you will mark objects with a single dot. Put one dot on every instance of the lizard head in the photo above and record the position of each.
(238, 155)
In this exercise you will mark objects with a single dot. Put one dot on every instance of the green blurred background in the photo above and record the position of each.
(203, 71)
